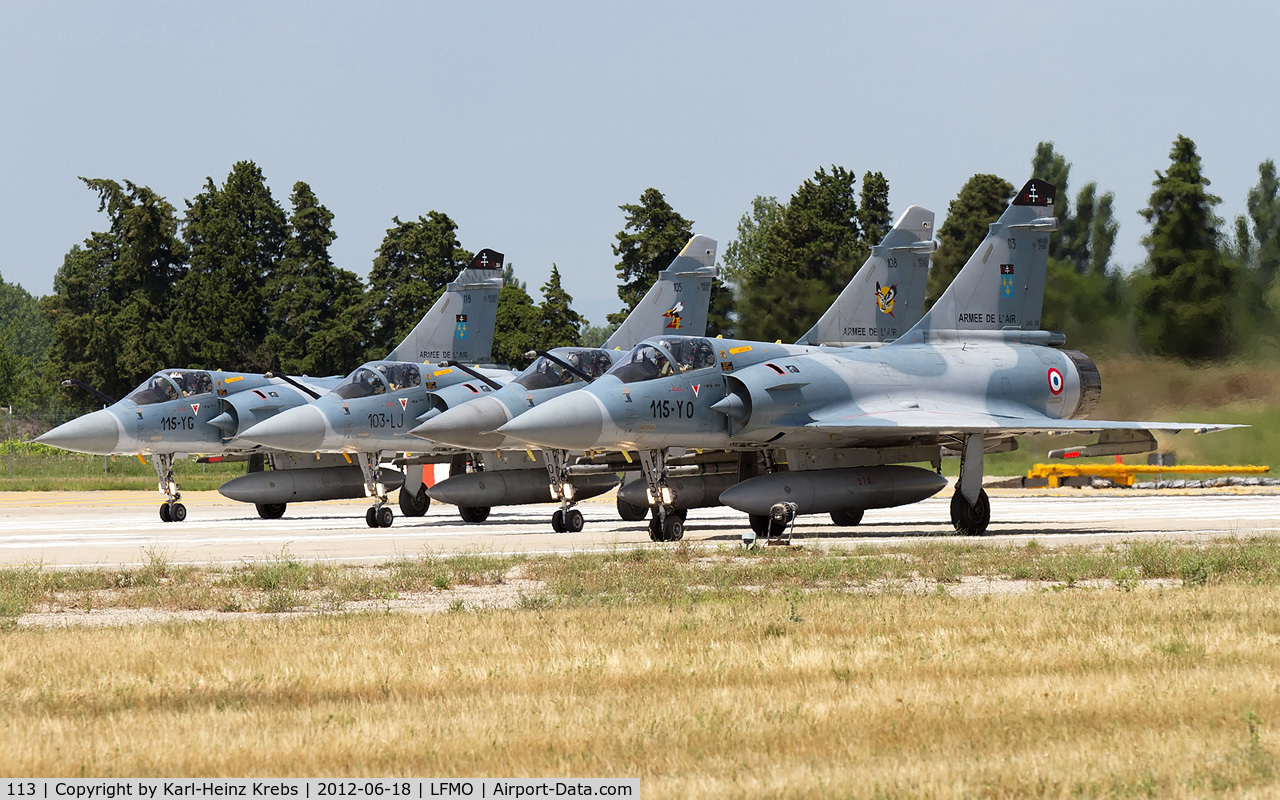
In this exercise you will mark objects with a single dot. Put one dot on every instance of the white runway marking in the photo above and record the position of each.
(121, 528)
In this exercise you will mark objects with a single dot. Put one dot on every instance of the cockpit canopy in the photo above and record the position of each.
(378, 377)
(172, 384)
(661, 358)
(544, 372)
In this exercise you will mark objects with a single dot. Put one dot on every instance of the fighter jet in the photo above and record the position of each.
(882, 300)
(183, 411)
(371, 411)
(678, 301)
(972, 374)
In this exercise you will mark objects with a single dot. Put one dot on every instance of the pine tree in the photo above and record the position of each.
(874, 220)
(558, 324)
(316, 311)
(237, 235)
(516, 326)
(111, 309)
(802, 259)
(653, 236)
(981, 201)
(414, 263)
(1186, 298)
(1263, 204)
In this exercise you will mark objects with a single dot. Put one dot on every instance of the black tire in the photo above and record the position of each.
(385, 517)
(573, 521)
(557, 521)
(630, 512)
(164, 513)
(759, 523)
(682, 513)
(270, 510)
(371, 517)
(655, 529)
(179, 513)
(414, 505)
(970, 520)
(473, 513)
(847, 518)
(673, 528)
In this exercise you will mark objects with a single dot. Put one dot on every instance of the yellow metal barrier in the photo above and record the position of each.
(1125, 474)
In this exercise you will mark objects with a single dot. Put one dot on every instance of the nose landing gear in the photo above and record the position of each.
(171, 510)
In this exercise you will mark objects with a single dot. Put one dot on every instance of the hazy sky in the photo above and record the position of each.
(529, 123)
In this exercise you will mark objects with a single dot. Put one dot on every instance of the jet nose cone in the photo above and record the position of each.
(299, 429)
(571, 422)
(469, 425)
(97, 433)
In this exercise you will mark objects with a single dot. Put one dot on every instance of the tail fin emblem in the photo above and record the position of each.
(885, 297)
(461, 331)
(673, 316)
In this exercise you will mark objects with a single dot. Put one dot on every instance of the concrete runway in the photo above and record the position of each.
(63, 529)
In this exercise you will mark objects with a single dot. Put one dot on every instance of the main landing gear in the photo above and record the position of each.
(459, 465)
(970, 507)
(379, 515)
(171, 510)
(567, 519)
(414, 504)
(667, 522)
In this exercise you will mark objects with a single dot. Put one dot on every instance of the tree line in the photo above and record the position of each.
(236, 282)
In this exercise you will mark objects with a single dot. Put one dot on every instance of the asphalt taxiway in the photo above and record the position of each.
(63, 529)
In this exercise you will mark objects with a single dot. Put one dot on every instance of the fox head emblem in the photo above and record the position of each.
(885, 297)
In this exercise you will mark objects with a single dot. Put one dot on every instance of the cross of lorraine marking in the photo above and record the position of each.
(1032, 194)
(484, 259)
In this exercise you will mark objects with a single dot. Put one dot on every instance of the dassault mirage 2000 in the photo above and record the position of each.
(180, 411)
(372, 410)
(972, 374)
(677, 302)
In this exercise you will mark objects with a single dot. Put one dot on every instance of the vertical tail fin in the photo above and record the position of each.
(885, 298)
(1001, 286)
(677, 302)
(459, 325)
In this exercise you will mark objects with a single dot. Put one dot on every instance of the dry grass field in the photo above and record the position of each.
(960, 670)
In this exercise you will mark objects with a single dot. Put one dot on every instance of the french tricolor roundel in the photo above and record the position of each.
(1055, 381)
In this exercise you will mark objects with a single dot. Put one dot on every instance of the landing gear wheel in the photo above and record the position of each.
(655, 529)
(270, 510)
(371, 517)
(847, 518)
(164, 513)
(673, 528)
(385, 517)
(414, 505)
(557, 522)
(630, 512)
(759, 523)
(573, 520)
(473, 513)
(970, 520)
(179, 512)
